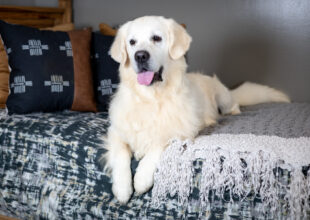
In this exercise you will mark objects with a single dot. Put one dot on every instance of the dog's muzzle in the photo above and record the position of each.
(146, 76)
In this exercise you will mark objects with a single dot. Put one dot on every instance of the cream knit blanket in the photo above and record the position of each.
(244, 161)
(242, 164)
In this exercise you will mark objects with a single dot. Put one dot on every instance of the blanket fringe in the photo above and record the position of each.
(228, 165)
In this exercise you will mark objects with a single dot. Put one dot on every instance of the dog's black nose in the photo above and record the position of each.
(142, 56)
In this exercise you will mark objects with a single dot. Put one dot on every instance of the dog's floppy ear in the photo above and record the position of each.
(179, 39)
(118, 49)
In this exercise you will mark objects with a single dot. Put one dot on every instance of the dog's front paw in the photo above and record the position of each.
(143, 180)
(122, 191)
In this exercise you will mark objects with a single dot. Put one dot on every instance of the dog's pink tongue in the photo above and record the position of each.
(145, 78)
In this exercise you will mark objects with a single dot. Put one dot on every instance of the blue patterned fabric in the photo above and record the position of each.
(49, 70)
(42, 75)
(105, 70)
(49, 170)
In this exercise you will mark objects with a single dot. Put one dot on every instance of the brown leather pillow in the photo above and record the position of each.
(84, 97)
(4, 66)
(4, 76)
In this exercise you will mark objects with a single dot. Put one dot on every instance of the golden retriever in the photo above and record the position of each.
(157, 100)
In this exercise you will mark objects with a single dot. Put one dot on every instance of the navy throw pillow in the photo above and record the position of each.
(50, 70)
(105, 69)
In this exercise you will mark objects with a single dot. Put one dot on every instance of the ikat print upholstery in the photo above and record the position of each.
(50, 71)
(105, 70)
(49, 169)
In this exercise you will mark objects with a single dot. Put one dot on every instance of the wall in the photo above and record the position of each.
(265, 41)
(18, 2)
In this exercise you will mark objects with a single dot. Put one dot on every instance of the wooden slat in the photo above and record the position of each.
(27, 15)
(48, 10)
(38, 23)
(39, 17)
(67, 6)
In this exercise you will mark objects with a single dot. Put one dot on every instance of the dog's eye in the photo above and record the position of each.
(156, 38)
(132, 42)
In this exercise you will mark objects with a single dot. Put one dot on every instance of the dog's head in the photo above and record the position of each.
(149, 45)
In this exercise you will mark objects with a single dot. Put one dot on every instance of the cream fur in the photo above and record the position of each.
(145, 118)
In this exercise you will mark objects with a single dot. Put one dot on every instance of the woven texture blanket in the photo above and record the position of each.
(245, 155)
(49, 169)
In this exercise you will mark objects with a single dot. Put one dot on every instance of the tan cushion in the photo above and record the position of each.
(60, 27)
(4, 67)
(105, 29)
(4, 76)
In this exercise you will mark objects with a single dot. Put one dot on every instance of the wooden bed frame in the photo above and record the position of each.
(39, 17)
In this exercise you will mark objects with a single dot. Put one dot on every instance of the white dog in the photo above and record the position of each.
(157, 100)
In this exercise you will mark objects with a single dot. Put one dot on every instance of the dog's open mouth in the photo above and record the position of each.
(148, 77)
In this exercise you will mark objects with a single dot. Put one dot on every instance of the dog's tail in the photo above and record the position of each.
(252, 93)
